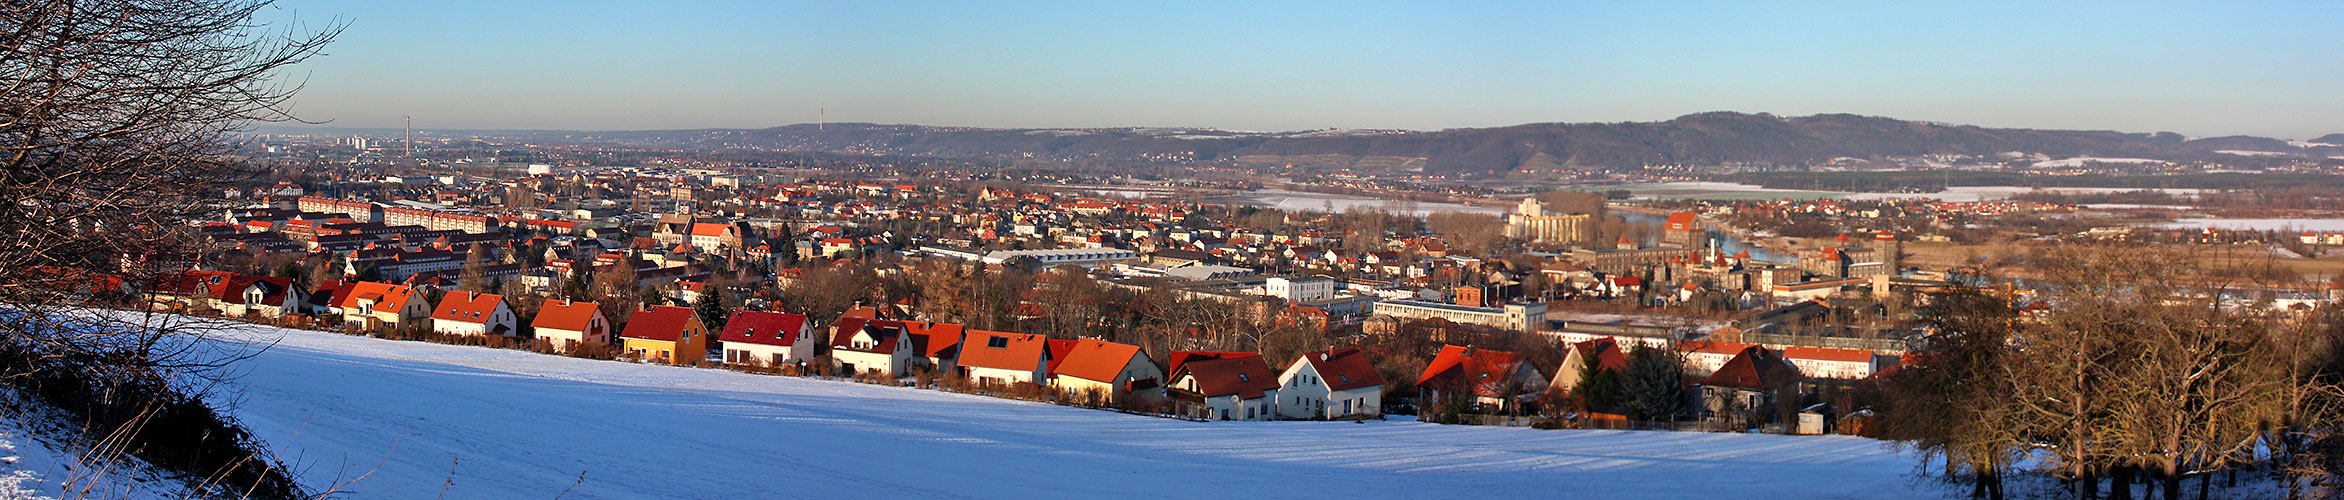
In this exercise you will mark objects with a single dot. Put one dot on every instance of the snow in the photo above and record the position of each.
(37, 468)
(1298, 201)
(2081, 160)
(23, 467)
(1729, 190)
(2240, 152)
(510, 424)
(2315, 225)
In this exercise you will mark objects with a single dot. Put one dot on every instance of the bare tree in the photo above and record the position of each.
(117, 123)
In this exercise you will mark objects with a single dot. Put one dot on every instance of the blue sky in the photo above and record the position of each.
(2198, 68)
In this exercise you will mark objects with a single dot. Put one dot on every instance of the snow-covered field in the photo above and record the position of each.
(1731, 191)
(1297, 200)
(2082, 160)
(2317, 225)
(485, 423)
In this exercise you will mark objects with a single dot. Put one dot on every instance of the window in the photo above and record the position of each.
(997, 342)
(1241, 378)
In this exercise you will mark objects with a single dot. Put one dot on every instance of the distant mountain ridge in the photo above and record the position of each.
(1700, 139)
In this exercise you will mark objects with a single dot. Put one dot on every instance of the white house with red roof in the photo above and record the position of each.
(1331, 384)
(474, 313)
(568, 325)
(857, 345)
(766, 338)
(1225, 388)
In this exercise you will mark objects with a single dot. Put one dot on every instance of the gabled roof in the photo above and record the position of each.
(387, 297)
(660, 323)
(936, 339)
(1244, 377)
(885, 333)
(1096, 360)
(566, 315)
(1605, 351)
(468, 307)
(1755, 368)
(1344, 369)
(763, 327)
(1059, 350)
(1013, 351)
(1184, 357)
(708, 229)
(1486, 371)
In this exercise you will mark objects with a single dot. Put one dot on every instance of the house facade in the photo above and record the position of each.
(474, 313)
(666, 334)
(1229, 388)
(859, 345)
(1331, 384)
(1004, 358)
(1112, 372)
(569, 325)
(765, 338)
(372, 306)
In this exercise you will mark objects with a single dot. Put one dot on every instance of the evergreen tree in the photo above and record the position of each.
(711, 308)
(1654, 383)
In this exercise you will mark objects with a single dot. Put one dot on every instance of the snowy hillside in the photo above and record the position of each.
(507, 424)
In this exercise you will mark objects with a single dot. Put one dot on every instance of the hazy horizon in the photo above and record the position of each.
(2198, 70)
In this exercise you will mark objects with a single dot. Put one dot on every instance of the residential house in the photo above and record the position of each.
(568, 325)
(765, 338)
(1746, 389)
(474, 313)
(1492, 377)
(1110, 371)
(862, 345)
(1225, 388)
(1584, 358)
(665, 334)
(1004, 358)
(1336, 383)
(374, 306)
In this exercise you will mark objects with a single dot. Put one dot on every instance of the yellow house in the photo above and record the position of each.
(666, 334)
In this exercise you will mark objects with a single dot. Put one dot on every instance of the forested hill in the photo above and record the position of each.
(1705, 139)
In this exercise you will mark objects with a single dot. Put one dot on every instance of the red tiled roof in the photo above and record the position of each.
(387, 297)
(468, 307)
(1484, 369)
(1183, 357)
(763, 327)
(1606, 353)
(566, 315)
(1754, 368)
(1095, 360)
(1059, 349)
(1344, 369)
(1244, 377)
(1017, 351)
(661, 323)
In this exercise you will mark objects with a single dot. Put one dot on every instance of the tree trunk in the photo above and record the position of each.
(2172, 485)
(2087, 485)
(2204, 480)
(1994, 485)
(2120, 483)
